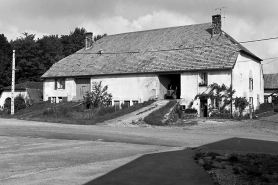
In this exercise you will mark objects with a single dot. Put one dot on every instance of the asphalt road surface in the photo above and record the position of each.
(48, 153)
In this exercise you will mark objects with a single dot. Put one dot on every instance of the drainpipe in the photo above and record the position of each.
(232, 96)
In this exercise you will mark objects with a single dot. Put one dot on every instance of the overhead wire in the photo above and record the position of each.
(188, 48)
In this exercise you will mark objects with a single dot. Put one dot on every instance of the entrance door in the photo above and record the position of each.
(82, 86)
(203, 108)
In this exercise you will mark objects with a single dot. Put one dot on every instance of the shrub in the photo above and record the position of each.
(98, 97)
(264, 107)
(63, 111)
(102, 111)
(190, 111)
(178, 111)
(48, 111)
(208, 165)
(233, 158)
(240, 103)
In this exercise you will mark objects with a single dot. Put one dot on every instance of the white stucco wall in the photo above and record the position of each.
(190, 84)
(49, 91)
(8, 94)
(244, 66)
(139, 87)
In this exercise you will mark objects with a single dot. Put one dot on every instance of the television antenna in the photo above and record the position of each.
(220, 13)
(220, 9)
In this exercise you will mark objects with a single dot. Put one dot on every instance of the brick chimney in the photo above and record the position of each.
(88, 40)
(216, 24)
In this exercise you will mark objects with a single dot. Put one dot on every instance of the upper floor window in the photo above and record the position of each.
(250, 83)
(204, 79)
(60, 83)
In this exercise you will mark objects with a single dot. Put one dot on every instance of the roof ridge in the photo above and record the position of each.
(165, 28)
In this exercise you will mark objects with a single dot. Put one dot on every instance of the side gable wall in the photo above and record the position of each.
(245, 68)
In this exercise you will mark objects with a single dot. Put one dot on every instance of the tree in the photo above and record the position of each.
(5, 61)
(51, 50)
(28, 63)
(73, 42)
(240, 103)
(98, 97)
(220, 94)
(99, 37)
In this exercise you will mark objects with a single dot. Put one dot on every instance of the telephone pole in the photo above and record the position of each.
(13, 81)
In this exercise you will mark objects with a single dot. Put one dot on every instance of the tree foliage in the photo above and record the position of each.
(220, 94)
(98, 97)
(35, 56)
(240, 103)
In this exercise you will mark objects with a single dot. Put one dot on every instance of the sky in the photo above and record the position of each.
(244, 19)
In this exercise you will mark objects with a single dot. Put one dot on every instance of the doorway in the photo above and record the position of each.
(169, 82)
(203, 108)
(82, 87)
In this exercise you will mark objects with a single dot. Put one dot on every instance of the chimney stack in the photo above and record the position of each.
(216, 24)
(88, 40)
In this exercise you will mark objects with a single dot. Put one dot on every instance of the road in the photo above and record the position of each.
(48, 153)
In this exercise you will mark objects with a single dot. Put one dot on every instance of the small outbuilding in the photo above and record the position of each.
(31, 91)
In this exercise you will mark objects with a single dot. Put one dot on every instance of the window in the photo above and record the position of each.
(127, 103)
(134, 102)
(204, 79)
(59, 83)
(117, 105)
(251, 101)
(250, 83)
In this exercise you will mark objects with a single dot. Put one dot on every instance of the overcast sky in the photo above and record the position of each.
(244, 19)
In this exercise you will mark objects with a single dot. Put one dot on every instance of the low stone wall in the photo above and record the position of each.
(189, 115)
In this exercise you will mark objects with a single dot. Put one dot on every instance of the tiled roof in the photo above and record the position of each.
(140, 52)
(271, 81)
(26, 85)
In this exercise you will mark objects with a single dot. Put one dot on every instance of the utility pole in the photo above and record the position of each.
(13, 81)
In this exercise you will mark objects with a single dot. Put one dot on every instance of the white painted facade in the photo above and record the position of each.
(134, 87)
(141, 87)
(244, 69)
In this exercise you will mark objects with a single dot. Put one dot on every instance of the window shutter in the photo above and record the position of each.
(55, 88)
(64, 83)
(49, 99)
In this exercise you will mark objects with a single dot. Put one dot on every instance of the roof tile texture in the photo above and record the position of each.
(137, 52)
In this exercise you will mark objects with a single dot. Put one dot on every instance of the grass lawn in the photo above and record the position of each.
(72, 113)
(240, 161)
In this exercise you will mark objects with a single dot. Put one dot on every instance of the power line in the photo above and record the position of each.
(262, 59)
(259, 40)
(271, 61)
(173, 49)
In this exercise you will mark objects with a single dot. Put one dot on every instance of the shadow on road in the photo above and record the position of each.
(179, 167)
(175, 167)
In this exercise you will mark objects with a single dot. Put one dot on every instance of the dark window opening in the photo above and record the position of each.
(60, 83)
(204, 79)
(251, 83)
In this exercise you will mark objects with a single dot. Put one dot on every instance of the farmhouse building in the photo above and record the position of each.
(141, 65)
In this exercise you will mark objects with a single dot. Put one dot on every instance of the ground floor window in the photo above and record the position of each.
(134, 102)
(117, 105)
